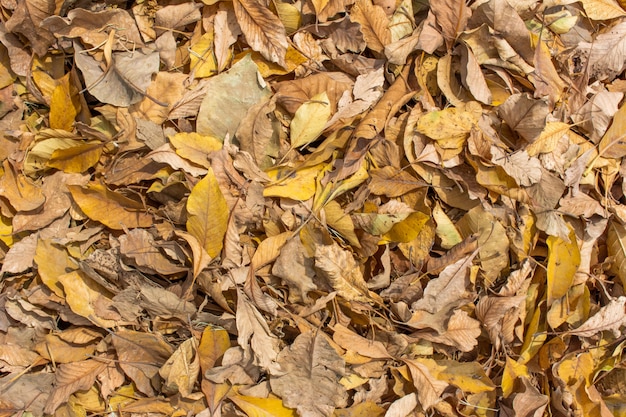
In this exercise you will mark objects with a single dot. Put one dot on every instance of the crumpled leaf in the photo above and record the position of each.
(233, 94)
(309, 377)
(181, 370)
(339, 268)
(125, 81)
(610, 317)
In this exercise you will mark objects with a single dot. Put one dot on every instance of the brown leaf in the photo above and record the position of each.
(264, 31)
(140, 356)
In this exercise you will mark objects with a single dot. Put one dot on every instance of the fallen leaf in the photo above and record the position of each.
(109, 208)
(264, 31)
(208, 214)
(309, 376)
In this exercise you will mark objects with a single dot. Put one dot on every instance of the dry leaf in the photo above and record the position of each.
(208, 214)
(264, 31)
(308, 381)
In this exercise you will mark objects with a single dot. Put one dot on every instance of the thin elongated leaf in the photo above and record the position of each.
(208, 214)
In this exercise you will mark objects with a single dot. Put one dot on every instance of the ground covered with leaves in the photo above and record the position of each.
(312, 208)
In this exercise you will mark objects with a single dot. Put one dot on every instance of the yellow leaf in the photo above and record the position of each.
(76, 159)
(293, 59)
(208, 214)
(364, 409)
(122, 396)
(446, 230)
(202, 57)
(64, 104)
(469, 376)
(194, 147)
(110, 208)
(512, 371)
(341, 222)
(535, 333)
(52, 261)
(406, 230)
(575, 366)
(299, 185)
(6, 230)
(563, 262)
(262, 407)
(448, 127)
(213, 344)
(84, 297)
(269, 249)
(291, 18)
(309, 120)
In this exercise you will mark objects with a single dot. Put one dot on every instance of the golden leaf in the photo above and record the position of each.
(563, 262)
(110, 208)
(309, 120)
(208, 214)
(64, 104)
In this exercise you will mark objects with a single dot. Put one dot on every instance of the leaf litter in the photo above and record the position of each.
(312, 208)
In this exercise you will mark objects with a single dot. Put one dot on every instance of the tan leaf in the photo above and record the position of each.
(393, 182)
(254, 335)
(194, 147)
(452, 16)
(182, 369)
(613, 143)
(363, 346)
(309, 377)
(602, 9)
(72, 377)
(20, 191)
(140, 357)
(610, 317)
(374, 24)
(462, 332)
(233, 93)
(139, 247)
(429, 387)
(264, 31)
(343, 274)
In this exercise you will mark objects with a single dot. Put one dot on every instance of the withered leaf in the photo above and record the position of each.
(308, 380)
(264, 31)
